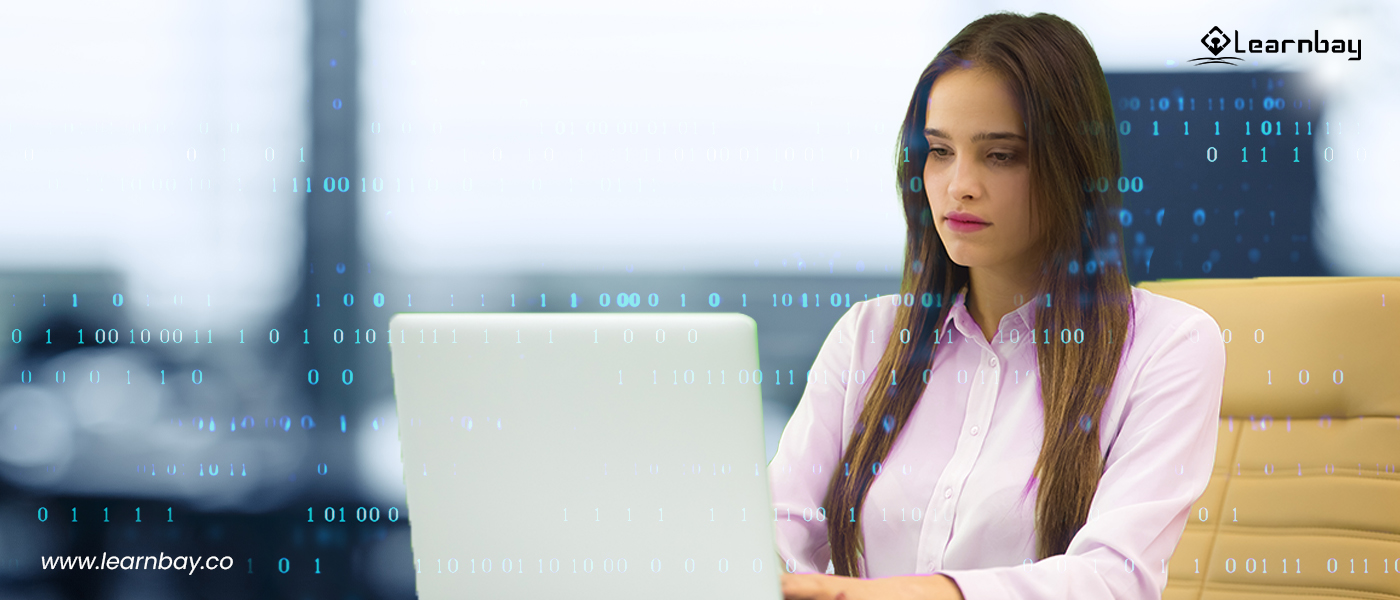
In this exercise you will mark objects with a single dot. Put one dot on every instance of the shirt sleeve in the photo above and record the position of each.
(1155, 470)
(809, 449)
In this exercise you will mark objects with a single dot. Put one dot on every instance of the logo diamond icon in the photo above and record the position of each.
(1216, 41)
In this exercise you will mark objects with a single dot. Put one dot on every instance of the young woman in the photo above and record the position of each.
(1018, 422)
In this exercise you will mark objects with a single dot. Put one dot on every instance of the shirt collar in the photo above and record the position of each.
(1020, 318)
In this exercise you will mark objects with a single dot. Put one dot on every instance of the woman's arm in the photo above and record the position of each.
(812, 437)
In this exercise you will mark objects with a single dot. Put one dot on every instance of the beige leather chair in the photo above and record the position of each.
(1305, 498)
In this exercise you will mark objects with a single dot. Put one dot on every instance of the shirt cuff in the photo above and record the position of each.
(978, 584)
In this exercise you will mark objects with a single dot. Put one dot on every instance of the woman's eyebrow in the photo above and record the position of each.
(985, 135)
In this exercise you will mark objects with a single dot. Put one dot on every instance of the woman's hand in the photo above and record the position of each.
(812, 586)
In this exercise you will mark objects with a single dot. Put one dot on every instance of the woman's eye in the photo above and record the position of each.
(1001, 156)
(939, 152)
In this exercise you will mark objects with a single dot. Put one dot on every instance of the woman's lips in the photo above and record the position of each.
(966, 226)
(962, 216)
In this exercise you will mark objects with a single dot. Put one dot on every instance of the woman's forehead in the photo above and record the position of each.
(969, 100)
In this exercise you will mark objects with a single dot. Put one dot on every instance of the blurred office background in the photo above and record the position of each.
(176, 172)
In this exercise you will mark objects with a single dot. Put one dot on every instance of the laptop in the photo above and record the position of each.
(585, 456)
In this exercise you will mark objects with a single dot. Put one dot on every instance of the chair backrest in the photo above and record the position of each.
(1305, 497)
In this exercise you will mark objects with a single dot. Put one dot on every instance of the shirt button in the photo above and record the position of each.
(948, 493)
(974, 430)
(994, 361)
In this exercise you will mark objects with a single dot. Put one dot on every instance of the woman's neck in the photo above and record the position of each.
(992, 294)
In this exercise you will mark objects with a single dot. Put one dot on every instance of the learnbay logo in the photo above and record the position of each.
(1217, 41)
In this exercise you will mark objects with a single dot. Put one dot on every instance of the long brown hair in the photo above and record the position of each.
(1061, 92)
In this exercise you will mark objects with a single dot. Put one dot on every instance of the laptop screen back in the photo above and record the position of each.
(584, 455)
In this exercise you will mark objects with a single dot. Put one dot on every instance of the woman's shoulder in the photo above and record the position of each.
(1155, 314)
(1166, 327)
(877, 312)
(871, 318)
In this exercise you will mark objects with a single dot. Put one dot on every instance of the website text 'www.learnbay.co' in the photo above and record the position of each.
(179, 563)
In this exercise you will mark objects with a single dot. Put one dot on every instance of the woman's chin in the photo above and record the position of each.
(963, 260)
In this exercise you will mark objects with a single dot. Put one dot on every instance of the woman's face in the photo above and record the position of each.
(977, 165)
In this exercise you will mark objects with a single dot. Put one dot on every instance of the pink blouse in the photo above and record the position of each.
(949, 497)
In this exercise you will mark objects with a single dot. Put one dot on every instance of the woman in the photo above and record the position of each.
(1020, 421)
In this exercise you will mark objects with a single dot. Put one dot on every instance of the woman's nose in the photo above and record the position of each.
(965, 181)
